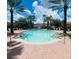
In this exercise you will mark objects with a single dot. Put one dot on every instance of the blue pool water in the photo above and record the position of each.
(38, 36)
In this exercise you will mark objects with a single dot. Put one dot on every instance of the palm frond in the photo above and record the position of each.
(18, 2)
(22, 9)
(55, 1)
(51, 1)
(11, 3)
(48, 18)
(14, 3)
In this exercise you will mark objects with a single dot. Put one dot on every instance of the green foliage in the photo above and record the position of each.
(69, 26)
(14, 3)
(24, 23)
(55, 1)
(30, 19)
(56, 4)
(47, 19)
(62, 8)
(56, 23)
(20, 23)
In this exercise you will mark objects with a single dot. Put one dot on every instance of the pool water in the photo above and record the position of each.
(38, 36)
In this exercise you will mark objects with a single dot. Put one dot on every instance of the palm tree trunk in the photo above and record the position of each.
(65, 17)
(47, 24)
(11, 27)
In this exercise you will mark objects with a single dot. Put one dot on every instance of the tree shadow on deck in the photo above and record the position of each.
(69, 36)
(13, 43)
(12, 53)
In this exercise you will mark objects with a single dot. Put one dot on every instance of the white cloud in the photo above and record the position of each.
(54, 14)
(35, 4)
(28, 12)
(17, 16)
(68, 19)
(39, 11)
(69, 12)
(8, 13)
(45, 3)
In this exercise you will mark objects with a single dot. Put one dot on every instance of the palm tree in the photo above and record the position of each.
(56, 23)
(57, 5)
(30, 19)
(12, 5)
(48, 20)
(65, 16)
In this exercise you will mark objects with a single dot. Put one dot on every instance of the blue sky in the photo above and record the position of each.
(38, 8)
(28, 4)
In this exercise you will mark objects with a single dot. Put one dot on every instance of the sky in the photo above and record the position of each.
(39, 8)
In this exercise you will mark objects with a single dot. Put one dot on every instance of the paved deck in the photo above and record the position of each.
(57, 50)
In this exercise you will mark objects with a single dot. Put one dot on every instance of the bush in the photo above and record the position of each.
(22, 23)
(69, 26)
(56, 23)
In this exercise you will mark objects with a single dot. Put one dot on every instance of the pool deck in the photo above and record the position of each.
(57, 50)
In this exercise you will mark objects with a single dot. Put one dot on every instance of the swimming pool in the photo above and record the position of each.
(39, 36)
